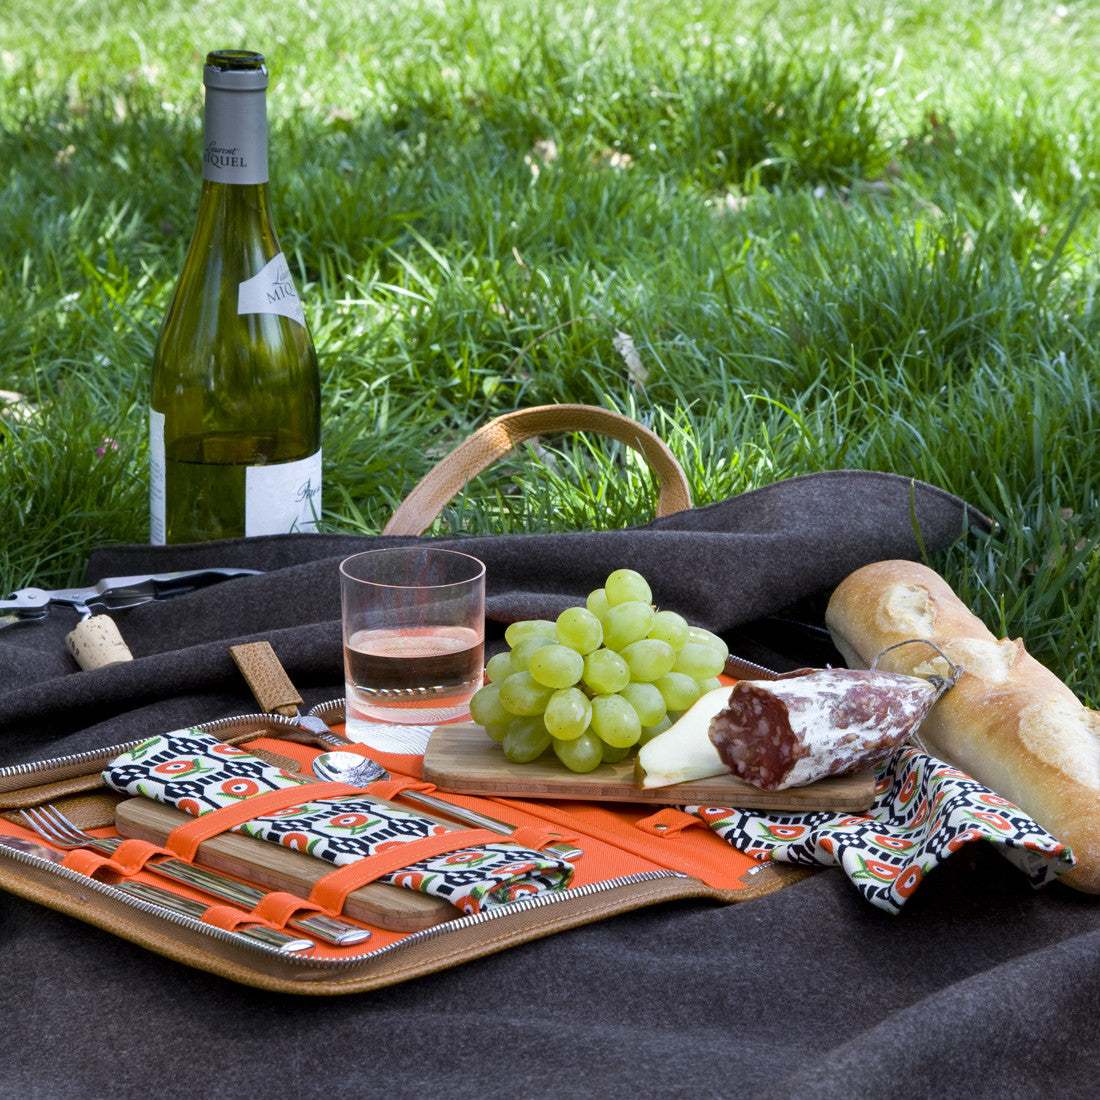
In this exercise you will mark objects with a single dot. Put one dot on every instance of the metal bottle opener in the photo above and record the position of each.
(112, 593)
(96, 641)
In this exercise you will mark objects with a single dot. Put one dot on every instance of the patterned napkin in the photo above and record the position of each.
(923, 811)
(197, 773)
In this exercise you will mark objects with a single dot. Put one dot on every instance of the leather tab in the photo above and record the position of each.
(266, 677)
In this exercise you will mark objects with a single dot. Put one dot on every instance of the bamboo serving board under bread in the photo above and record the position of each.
(461, 759)
(274, 867)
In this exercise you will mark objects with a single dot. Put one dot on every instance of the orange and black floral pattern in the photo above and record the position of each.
(923, 811)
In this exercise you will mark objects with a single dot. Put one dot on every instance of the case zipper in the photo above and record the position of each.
(344, 961)
(85, 882)
(81, 763)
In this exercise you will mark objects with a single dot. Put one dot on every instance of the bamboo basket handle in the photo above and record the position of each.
(496, 438)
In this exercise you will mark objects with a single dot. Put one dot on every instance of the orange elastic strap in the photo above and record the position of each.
(537, 837)
(227, 918)
(389, 789)
(277, 908)
(126, 860)
(133, 854)
(330, 890)
(184, 840)
(86, 862)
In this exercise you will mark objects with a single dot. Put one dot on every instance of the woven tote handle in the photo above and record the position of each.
(493, 440)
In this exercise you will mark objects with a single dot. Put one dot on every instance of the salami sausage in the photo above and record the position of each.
(814, 723)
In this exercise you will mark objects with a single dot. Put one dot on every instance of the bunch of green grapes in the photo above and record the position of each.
(600, 681)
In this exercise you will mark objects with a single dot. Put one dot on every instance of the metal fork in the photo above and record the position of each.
(52, 825)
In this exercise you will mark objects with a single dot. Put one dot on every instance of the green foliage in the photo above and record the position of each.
(788, 236)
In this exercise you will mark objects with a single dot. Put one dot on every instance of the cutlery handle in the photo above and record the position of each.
(269, 937)
(229, 889)
(479, 820)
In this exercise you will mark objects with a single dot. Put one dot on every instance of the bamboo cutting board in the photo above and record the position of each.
(274, 867)
(461, 759)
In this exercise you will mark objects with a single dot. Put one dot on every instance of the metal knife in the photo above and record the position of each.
(111, 593)
(154, 895)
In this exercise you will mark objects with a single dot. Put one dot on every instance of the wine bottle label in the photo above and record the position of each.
(282, 497)
(157, 498)
(271, 290)
(279, 497)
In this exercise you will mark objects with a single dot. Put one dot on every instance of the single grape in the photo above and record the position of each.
(709, 684)
(514, 633)
(648, 659)
(680, 691)
(486, 709)
(615, 721)
(581, 754)
(649, 732)
(700, 662)
(579, 629)
(704, 637)
(526, 740)
(499, 667)
(627, 584)
(568, 713)
(556, 666)
(669, 627)
(626, 622)
(526, 648)
(605, 672)
(496, 733)
(614, 755)
(523, 695)
(597, 603)
(647, 700)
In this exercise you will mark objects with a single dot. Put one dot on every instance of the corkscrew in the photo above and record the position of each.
(96, 641)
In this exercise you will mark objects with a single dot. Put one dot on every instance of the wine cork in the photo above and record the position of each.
(96, 643)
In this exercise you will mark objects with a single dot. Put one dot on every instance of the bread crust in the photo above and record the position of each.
(1009, 722)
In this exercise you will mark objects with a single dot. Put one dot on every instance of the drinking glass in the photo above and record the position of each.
(413, 634)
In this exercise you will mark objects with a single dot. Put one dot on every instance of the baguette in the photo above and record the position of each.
(1009, 722)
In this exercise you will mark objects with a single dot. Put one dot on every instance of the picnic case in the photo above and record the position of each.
(635, 854)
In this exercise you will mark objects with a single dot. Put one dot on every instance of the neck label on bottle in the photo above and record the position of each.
(271, 290)
(234, 146)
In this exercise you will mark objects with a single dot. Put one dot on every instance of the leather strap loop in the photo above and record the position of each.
(493, 440)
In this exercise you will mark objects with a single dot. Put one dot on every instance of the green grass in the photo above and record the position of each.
(857, 234)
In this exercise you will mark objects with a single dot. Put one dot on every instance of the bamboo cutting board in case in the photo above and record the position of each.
(461, 759)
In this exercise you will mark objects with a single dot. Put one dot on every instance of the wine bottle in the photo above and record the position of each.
(235, 419)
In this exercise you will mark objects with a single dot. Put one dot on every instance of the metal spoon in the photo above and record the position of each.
(350, 767)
